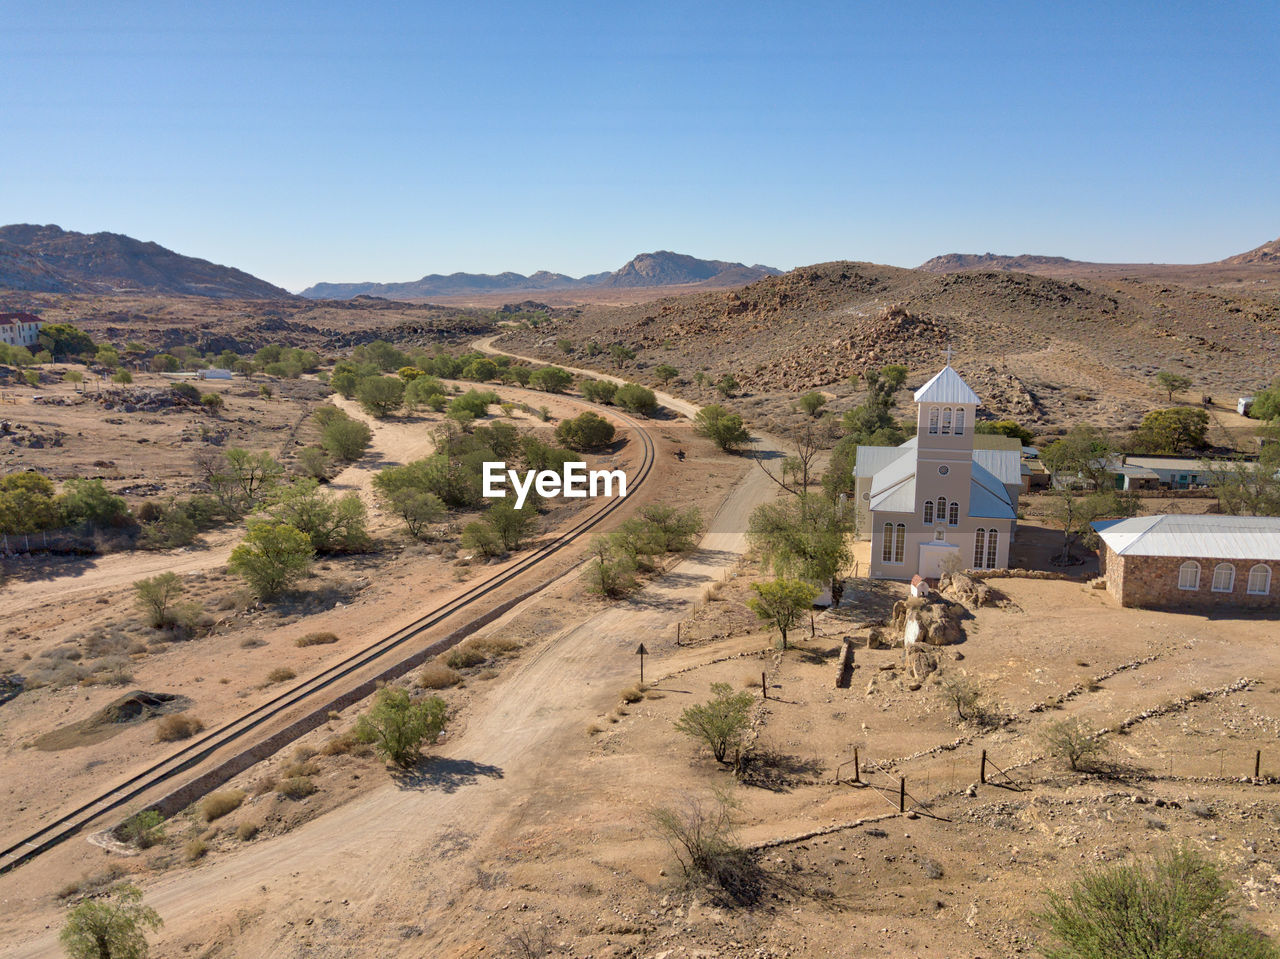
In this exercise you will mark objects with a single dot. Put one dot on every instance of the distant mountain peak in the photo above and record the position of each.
(660, 268)
(1022, 263)
(50, 259)
(1268, 253)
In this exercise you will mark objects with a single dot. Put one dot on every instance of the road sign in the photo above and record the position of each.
(642, 653)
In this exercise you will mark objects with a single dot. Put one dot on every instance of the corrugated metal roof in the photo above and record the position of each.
(1214, 537)
(1005, 465)
(896, 499)
(985, 503)
(1185, 464)
(947, 387)
(872, 459)
(893, 474)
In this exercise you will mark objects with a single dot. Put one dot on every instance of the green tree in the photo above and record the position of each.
(599, 391)
(727, 385)
(243, 478)
(1077, 513)
(1178, 430)
(621, 354)
(512, 526)
(636, 399)
(420, 389)
(1176, 907)
(122, 377)
(27, 504)
(676, 530)
(586, 431)
(482, 369)
(1266, 403)
(398, 727)
(1171, 383)
(1006, 428)
(1248, 488)
(805, 537)
(272, 557)
(723, 428)
(1084, 453)
(1070, 741)
(380, 396)
(812, 403)
(63, 339)
(333, 523)
(113, 927)
(345, 384)
(782, 603)
(609, 574)
(473, 402)
(721, 723)
(156, 596)
(550, 379)
(871, 423)
(665, 373)
(345, 438)
(89, 501)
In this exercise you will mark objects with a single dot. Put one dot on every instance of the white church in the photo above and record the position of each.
(936, 496)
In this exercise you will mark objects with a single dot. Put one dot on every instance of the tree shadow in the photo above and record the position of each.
(445, 774)
(767, 767)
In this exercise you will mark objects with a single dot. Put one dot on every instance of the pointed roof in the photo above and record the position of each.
(947, 387)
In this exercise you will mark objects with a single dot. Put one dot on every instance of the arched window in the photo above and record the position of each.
(960, 422)
(942, 509)
(1189, 575)
(946, 421)
(1224, 578)
(953, 517)
(886, 548)
(1260, 580)
(900, 543)
(933, 419)
(992, 535)
(979, 548)
(928, 511)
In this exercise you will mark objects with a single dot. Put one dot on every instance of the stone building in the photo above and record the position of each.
(1192, 562)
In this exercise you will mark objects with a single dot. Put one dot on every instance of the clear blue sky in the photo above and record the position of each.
(381, 141)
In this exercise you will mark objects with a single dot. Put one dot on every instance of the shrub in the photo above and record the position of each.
(122, 377)
(482, 539)
(177, 726)
(1069, 740)
(701, 834)
(114, 926)
(599, 391)
(334, 523)
(721, 722)
(281, 674)
(962, 695)
(186, 392)
(723, 428)
(636, 399)
(272, 557)
(246, 831)
(632, 695)
(550, 379)
(380, 396)
(316, 639)
(610, 576)
(313, 461)
(213, 402)
(586, 431)
(464, 657)
(216, 805)
(345, 438)
(156, 596)
(144, 829)
(397, 726)
(438, 676)
(1179, 905)
(299, 787)
(195, 849)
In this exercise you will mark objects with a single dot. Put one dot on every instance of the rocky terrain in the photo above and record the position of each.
(50, 259)
(659, 269)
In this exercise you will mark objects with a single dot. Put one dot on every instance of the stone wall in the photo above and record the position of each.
(1152, 581)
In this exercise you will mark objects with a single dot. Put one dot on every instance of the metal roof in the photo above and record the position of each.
(1212, 537)
(1006, 465)
(893, 474)
(896, 499)
(872, 459)
(947, 387)
(1176, 463)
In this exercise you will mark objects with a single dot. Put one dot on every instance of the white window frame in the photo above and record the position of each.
(886, 548)
(960, 421)
(946, 421)
(900, 544)
(1264, 587)
(933, 421)
(1227, 571)
(1189, 576)
(953, 513)
(979, 547)
(928, 512)
(993, 544)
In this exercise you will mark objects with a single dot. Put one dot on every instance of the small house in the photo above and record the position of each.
(214, 373)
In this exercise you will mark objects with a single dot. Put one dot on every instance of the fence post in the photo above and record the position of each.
(1257, 764)
(902, 794)
(982, 772)
(857, 773)
(764, 685)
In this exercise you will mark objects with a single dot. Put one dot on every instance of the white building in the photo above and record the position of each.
(20, 329)
(936, 499)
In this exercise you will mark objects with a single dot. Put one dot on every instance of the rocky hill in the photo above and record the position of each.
(1268, 254)
(1041, 349)
(1023, 263)
(662, 268)
(49, 259)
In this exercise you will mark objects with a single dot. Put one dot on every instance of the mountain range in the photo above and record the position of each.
(662, 268)
(49, 259)
(1266, 255)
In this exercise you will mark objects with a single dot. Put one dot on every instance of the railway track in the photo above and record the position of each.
(240, 731)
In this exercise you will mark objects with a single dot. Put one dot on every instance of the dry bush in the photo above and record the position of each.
(87, 885)
(463, 657)
(712, 593)
(339, 745)
(303, 753)
(264, 785)
(316, 639)
(177, 726)
(247, 831)
(194, 849)
(595, 729)
(632, 695)
(299, 769)
(216, 805)
(494, 646)
(281, 674)
(300, 787)
(252, 642)
(437, 675)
